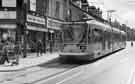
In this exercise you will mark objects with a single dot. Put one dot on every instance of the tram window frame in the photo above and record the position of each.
(97, 35)
(67, 33)
(90, 35)
(116, 36)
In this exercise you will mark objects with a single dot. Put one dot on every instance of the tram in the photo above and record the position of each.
(86, 41)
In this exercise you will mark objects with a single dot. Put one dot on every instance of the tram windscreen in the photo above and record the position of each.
(75, 34)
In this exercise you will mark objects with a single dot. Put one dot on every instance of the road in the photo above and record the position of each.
(118, 68)
(34, 74)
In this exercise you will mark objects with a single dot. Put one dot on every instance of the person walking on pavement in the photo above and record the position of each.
(39, 48)
(5, 51)
(132, 44)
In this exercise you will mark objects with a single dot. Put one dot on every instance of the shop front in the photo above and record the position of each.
(8, 25)
(8, 31)
(54, 34)
(35, 31)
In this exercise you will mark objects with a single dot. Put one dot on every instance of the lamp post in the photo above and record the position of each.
(109, 12)
(25, 2)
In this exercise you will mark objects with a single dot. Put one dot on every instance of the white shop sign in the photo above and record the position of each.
(7, 14)
(35, 19)
(33, 5)
(36, 28)
(8, 3)
(54, 24)
(8, 26)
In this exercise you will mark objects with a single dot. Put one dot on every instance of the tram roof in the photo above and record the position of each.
(99, 25)
(72, 23)
(123, 33)
(115, 30)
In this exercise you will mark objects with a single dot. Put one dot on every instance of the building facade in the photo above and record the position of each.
(24, 22)
(8, 19)
(27, 21)
(55, 17)
(35, 24)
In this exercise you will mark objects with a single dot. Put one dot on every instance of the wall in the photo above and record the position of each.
(51, 11)
(76, 13)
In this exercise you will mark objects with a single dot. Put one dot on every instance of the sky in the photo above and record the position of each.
(124, 10)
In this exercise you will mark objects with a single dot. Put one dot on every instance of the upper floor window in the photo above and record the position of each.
(57, 9)
(8, 3)
(77, 3)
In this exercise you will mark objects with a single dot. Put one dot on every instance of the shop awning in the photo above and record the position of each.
(8, 26)
(37, 28)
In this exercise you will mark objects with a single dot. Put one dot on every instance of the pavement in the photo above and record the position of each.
(31, 61)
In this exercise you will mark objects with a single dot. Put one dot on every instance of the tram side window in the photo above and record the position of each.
(116, 37)
(97, 35)
(68, 35)
(107, 36)
(89, 35)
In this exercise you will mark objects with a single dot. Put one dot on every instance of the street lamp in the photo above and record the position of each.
(109, 12)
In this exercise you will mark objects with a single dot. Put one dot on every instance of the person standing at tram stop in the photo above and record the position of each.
(39, 48)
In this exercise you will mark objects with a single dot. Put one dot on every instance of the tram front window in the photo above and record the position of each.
(74, 35)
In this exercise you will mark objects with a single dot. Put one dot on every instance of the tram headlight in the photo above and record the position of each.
(82, 48)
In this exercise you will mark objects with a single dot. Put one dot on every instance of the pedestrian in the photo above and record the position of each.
(39, 48)
(17, 52)
(5, 52)
(131, 44)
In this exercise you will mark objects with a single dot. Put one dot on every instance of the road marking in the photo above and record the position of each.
(51, 78)
(131, 77)
(71, 77)
(123, 60)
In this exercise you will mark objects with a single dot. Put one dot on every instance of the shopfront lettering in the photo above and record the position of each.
(35, 19)
(53, 24)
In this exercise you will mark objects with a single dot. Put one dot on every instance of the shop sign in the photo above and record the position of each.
(8, 3)
(54, 24)
(33, 5)
(7, 14)
(35, 19)
(36, 28)
(8, 26)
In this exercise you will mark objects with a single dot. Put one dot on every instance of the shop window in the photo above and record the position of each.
(57, 35)
(8, 3)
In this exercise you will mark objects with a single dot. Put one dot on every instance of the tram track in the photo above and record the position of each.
(49, 67)
(53, 75)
